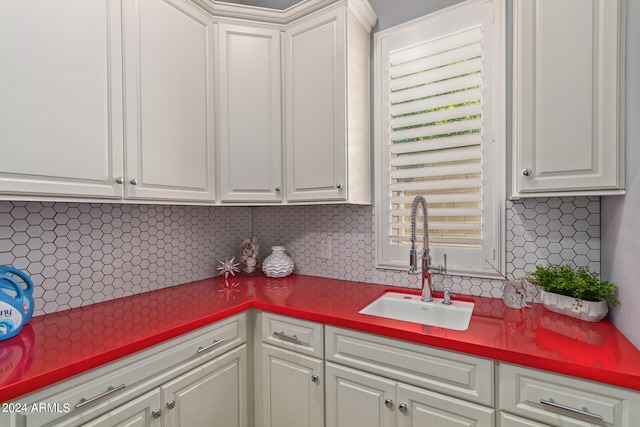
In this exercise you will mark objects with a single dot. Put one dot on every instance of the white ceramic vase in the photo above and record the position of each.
(591, 311)
(278, 263)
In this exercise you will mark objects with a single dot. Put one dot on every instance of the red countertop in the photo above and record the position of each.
(57, 346)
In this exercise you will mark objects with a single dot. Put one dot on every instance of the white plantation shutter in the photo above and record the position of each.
(436, 130)
(435, 138)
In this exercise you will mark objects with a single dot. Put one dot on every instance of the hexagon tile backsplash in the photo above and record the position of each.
(558, 229)
(83, 253)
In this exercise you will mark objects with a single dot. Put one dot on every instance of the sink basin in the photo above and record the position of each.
(410, 308)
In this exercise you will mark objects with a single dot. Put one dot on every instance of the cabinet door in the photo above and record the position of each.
(567, 96)
(213, 393)
(315, 108)
(292, 393)
(61, 102)
(250, 135)
(358, 399)
(422, 408)
(168, 65)
(143, 411)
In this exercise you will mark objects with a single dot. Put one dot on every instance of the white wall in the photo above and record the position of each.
(394, 12)
(620, 216)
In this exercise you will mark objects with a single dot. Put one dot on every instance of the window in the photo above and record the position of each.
(440, 132)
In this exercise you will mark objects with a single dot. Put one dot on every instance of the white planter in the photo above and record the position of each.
(590, 311)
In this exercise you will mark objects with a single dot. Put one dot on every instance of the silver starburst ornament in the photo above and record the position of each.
(228, 267)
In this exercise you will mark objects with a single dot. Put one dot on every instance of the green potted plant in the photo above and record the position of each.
(576, 292)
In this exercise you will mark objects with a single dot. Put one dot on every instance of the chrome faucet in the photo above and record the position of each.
(424, 253)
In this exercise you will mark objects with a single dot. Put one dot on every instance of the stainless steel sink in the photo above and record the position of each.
(410, 308)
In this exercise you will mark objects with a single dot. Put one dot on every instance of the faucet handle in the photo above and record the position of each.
(441, 269)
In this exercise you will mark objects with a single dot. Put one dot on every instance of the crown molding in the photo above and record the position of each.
(361, 8)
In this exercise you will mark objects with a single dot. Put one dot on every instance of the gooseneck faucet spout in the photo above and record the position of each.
(424, 253)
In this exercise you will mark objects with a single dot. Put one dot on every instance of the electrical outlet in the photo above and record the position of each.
(326, 249)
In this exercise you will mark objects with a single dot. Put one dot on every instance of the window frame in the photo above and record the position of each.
(491, 15)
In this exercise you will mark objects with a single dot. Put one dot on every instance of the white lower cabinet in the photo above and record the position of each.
(356, 398)
(424, 408)
(449, 373)
(214, 392)
(143, 411)
(186, 381)
(292, 389)
(290, 376)
(545, 398)
(360, 399)
(376, 381)
(294, 372)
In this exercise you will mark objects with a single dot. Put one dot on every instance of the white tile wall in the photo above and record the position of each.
(560, 230)
(80, 253)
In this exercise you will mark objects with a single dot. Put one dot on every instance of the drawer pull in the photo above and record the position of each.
(84, 401)
(582, 411)
(289, 338)
(213, 344)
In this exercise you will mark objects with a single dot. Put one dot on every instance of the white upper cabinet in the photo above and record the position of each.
(168, 67)
(568, 97)
(114, 100)
(61, 102)
(110, 99)
(326, 106)
(249, 111)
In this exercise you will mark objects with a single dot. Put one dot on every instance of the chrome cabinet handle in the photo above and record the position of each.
(213, 344)
(289, 338)
(526, 172)
(134, 181)
(84, 401)
(156, 413)
(277, 189)
(403, 408)
(388, 403)
(315, 379)
(338, 186)
(170, 404)
(119, 180)
(582, 411)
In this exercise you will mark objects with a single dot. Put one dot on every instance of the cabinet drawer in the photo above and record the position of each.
(299, 335)
(564, 401)
(509, 420)
(108, 386)
(451, 373)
